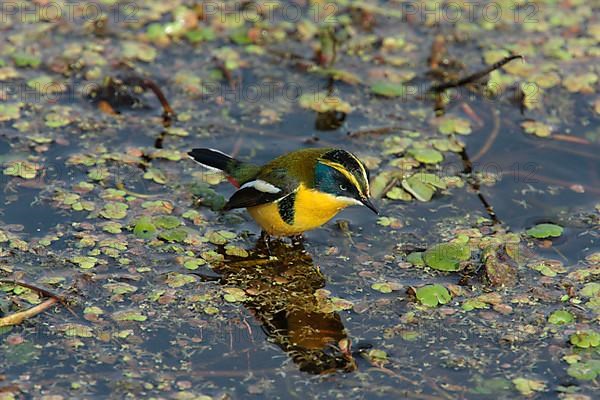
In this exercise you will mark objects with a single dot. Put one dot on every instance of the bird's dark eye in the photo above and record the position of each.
(343, 188)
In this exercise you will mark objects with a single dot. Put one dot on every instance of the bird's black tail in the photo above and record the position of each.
(213, 159)
(217, 160)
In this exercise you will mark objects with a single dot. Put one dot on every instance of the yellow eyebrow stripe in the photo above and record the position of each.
(340, 168)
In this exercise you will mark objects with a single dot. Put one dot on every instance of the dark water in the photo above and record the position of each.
(284, 338)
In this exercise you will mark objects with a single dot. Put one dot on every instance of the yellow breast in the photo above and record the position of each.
(311, 210)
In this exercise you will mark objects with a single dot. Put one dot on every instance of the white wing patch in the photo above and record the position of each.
(219, 151)
(261, 186)
(204, 165)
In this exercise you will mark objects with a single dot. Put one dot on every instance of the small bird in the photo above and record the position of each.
(295, 192)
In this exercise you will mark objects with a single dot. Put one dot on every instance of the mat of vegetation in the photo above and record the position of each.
(479, 279)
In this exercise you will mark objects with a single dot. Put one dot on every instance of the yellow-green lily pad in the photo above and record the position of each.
(129, 315)
(388, 89)
(585, 339)
(114, 210)
(77, 330)
(426, 155)
(22, 169)
(145, 228)
(447, 256)
(561, 317)
(543, 231)
(84, 262)
(433, 295)
(322, 102)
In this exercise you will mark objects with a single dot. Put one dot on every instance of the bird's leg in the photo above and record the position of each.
(298, 241)
(266, 239)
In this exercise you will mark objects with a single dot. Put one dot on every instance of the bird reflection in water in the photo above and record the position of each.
(281, 293)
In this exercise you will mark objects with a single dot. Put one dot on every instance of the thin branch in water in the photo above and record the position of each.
(378, 131)
(145, 83)
(438, 49)
(491, 138)
(468, 170)
(17, 318)
(38, 289)
(570, 139)
(473, 77)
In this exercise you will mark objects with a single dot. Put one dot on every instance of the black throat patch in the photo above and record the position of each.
(286, 208)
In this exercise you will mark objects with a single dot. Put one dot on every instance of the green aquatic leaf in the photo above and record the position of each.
(397, 193)
(77, 330)
(112, 227)
(174, 235)
(388, 89)
(236, 251)
(176, 280)
(590, 289)
(233, 295)
(9, 111)
(138, 50)
(585, 339)
(382, 287)
(144, 228)
(426, 155)
(450, 124)
(201, 35)
(585, 371)
(22, 169)
(542, 231)
(447, 256)
(549, 268)
(166, 221)
(420, 190)
(156, 175)
(23, 60)
(129, 315)
(537, 128)
(561, 317)
(473, 304)
(377, 356)
(527, 387)
(114, 210)
(416, 258)
(84, 262)
(120, 288)
(58, 119)
(98, 173)
(433, 295)
(322, 102)
(94, 310)
(194, 263)
(422, 185)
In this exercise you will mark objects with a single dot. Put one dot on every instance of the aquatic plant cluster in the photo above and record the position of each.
(121, 276)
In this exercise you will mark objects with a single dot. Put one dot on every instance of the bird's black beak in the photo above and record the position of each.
(367, 202)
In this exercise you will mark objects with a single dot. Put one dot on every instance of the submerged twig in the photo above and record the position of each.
(491, 138)
(473, 77)
(17, 318)
(378, 131)
(38, 289)
(438, 49)
(145, 83)
(475, 185)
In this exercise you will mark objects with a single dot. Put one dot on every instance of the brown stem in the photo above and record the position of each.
(438, 49)
(491, 138)
(378, 131)
(473, 77)
(168, 112)
(17, 318)
(475, 185)
(38, 289)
